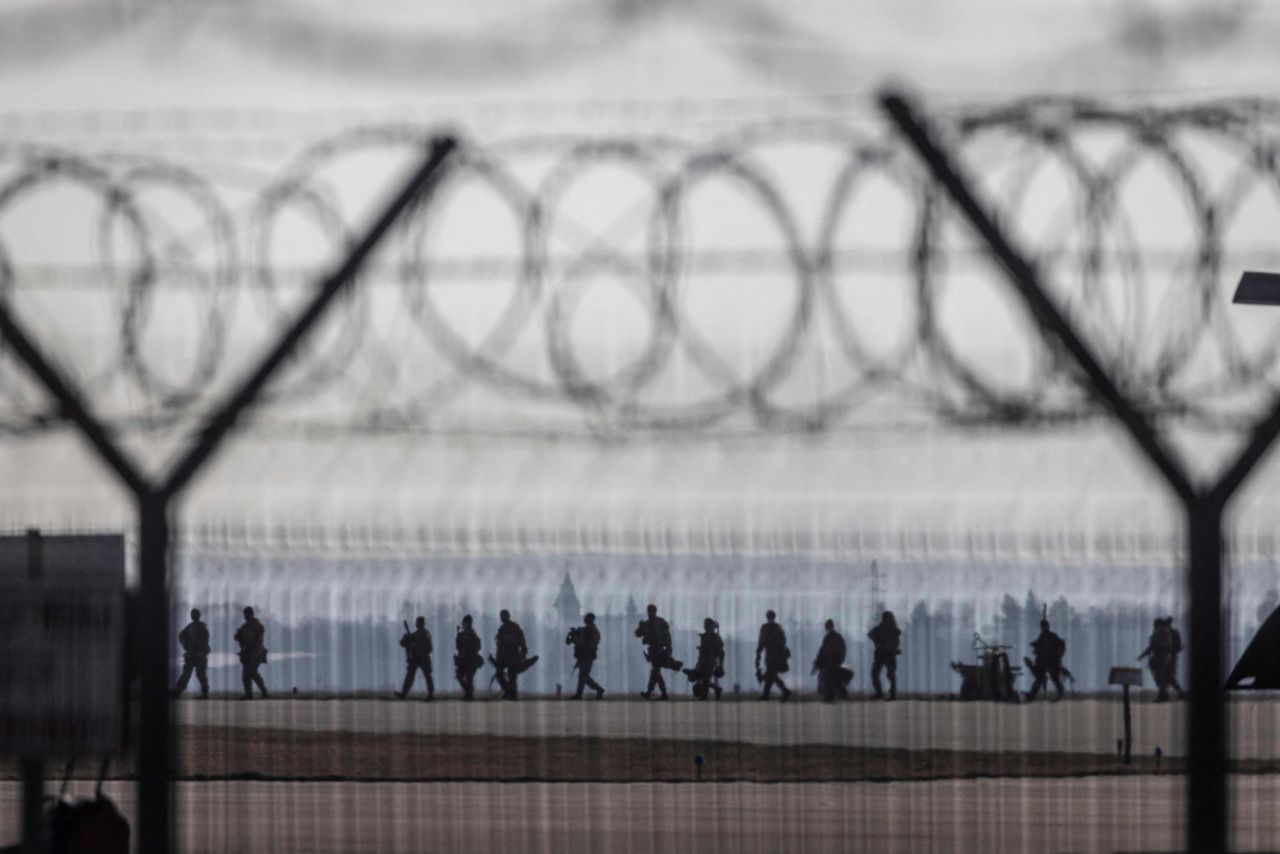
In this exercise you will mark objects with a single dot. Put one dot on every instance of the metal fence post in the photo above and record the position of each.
(1207, 740)
(157, 747)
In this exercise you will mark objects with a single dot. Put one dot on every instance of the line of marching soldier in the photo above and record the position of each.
(511, 657)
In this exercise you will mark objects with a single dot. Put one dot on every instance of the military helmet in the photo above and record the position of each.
(195, 613)
(589, 618)
(421, 622)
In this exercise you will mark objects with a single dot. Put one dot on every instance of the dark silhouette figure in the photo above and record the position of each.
(194, 640)
(655, 635)
(1163, 648)
(1261, 659)
(511, 656)
(1049, 651)
(585, 640)
(466, 658)
(705, 675)
(833, 676)
(773, 644)
(887, 638)
(417, 655)
(251, 637)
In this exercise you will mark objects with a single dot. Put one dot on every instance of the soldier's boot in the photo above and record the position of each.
(431, 689)
(719, 691)
(599, 693)
(786, 694)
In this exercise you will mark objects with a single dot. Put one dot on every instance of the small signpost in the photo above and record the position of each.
(62, 631)
(1126, 676)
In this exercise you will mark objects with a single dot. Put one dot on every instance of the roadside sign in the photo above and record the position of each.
(62, 635)
(1125, 676)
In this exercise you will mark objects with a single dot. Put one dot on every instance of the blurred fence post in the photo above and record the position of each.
(1207, 819)
(157, 750)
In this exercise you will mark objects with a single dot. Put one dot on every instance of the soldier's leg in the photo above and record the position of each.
(467, 678)
(656, 680)
(259, 681)
(1171, 678)
(1036, 684)
(590, 681)
(891, 670)
(876, 666)
(782, 686)
(431, 683)
(410, 671)
(184, 678)
(500, 675)
(202, 676)
(1056, 675)
(246, 677)
(513, 680)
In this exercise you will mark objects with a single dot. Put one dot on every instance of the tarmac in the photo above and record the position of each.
(1071, 726)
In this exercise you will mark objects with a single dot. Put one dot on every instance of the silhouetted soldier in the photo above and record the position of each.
(510, 657)
(253, 653)
(195, 655)
(833, 676)
(1163, 647)
(586, 643)
(655, 634)
(1049, 651)
(467, 659)
(417, 655)
(706, 673)
(887, 638)
(773, 643)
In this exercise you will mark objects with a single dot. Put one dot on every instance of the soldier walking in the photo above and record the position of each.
(195, 655)
(887, 638)
(585, 640)
(655, 635)
(251, 636)
(773, 644)
(1049, 651)
(833, 676)
(510, 657)
(417, 654)
(1163, 648)
(706, 673)
(467, 659)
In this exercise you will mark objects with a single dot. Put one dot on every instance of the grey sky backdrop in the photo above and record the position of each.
(236, 94)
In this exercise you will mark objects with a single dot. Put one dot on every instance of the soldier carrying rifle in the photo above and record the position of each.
(833, 676)
(417, 654)
(655, 634)
(706, 673)
(585, 640)
(251, 636)
(773, 644)
(511, 656)
(467, 659)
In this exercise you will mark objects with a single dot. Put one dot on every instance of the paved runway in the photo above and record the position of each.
(1072, 726)
(1090, 814)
